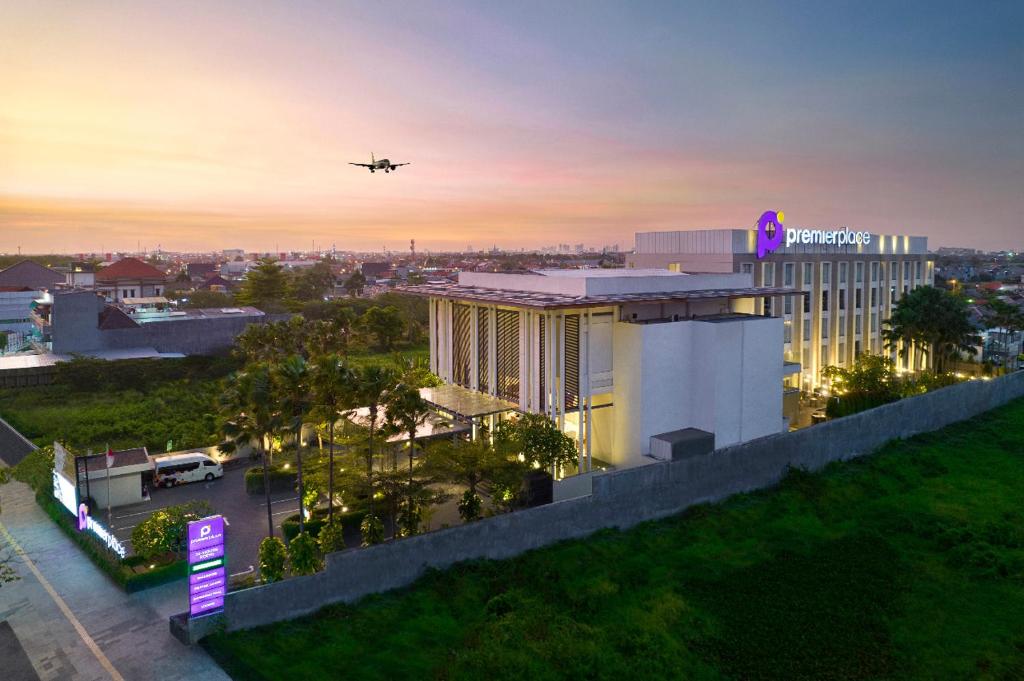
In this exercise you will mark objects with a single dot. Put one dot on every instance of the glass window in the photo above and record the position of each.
(842, 325)
(808, 268)
(826, 273)
(842, 273)
(807, 304)
(892, 295)
(892, 271)
(859, 269)
(824, 301)
(856, 324)
(747, 268)
(787, 332)
(824, 327)
(768, 273)
(807, 329)
(768, 307)
(787, 273)
(856, 298)
(874, 271)
(787, 305)
(842, 299)
(874, 297)
(917, 269)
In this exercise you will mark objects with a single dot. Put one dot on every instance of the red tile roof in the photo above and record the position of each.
(129, 269)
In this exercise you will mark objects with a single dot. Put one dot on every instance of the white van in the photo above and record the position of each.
(182, 468)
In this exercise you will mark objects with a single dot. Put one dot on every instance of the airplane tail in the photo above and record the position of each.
(372, 159)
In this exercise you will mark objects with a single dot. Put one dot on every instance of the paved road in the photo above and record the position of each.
(246, 514)
(73, 623)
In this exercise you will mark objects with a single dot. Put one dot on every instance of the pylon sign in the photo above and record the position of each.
(207, 568)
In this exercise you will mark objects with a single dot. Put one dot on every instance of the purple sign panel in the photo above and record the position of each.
(207, 574)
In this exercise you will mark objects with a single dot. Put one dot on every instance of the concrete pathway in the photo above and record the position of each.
(73, 623)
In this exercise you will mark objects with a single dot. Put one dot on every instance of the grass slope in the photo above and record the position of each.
(906, 564)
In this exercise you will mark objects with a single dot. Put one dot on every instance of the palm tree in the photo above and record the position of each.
(247, 406)
(291, 387)
(1008, 319)
(333, 392)
(933, 320)
(406, 411)
(374, 382)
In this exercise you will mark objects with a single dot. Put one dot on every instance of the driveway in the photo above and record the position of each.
(71, 622)
(246, 514)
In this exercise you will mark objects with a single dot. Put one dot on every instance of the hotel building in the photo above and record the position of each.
(614, 357)
(849, 289)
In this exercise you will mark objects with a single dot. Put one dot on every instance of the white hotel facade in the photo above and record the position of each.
(849, 289)
(614, 357)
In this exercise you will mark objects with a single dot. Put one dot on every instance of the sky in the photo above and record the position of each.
(208, 125)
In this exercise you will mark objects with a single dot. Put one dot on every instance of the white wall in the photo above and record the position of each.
(724, 377)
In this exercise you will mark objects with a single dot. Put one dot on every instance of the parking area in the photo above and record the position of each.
(246, 514)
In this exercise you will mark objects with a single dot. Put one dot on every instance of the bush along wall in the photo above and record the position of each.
(280, 480)
(349, 520)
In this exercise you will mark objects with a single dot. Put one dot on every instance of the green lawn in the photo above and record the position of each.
(908, 564)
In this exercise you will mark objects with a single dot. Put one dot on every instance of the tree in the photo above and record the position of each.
(1005, 317)
(469, 463)
(385, 324)
(331, 538)
(870, 382)
(248, 415)
(334, 390)
(272, 557)
(304, 555)
(935, 321)
(538, 440)
(291, 387)
(372, 530)
(265, 287)
(313, 282)
(355, 284)
(201, 299)
(374, 382)
(166, 530)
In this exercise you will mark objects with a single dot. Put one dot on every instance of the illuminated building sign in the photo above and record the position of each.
(770, 235)
(86, 523)
(207, 570)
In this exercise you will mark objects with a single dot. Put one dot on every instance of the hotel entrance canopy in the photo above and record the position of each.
(465, 403)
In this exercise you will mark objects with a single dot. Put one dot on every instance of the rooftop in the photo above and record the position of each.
(129, 269)
(532, 299)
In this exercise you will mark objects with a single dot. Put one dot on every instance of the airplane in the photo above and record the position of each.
(375, 165)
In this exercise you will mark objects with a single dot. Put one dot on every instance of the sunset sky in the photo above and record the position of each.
(201, 125)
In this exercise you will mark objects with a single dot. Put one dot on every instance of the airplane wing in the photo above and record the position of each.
(364, 165)
(395, 165)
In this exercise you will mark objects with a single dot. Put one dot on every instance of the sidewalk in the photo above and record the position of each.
(74, 623)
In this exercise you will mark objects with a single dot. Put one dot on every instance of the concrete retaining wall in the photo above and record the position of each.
(619, 499)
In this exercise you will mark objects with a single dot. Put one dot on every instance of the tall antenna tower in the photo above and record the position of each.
(412, 248)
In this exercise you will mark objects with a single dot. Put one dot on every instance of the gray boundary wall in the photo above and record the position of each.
(619, 499)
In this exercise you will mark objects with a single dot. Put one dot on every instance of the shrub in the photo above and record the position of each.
(332, 537)
(165, 531)
(272, 558)
(304, 555)
(372, 530)
(470, 506)
(281, 480)
(349, 520)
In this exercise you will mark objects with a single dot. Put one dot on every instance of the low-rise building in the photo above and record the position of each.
(82, 322)
(614, 357)
(130, 278)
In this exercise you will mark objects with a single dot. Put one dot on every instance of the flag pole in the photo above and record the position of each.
(110, 515)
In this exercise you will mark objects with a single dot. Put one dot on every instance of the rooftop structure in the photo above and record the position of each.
(30, 274)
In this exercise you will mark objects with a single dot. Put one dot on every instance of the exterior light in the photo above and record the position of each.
(152, 566)
(344, 509)
(286, 466)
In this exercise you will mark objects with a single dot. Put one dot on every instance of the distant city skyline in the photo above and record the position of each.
(202, 126)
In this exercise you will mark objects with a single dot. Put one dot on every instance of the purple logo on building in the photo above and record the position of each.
(83, 517)
(769, 232)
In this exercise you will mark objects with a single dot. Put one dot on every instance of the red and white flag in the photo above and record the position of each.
(110, 456)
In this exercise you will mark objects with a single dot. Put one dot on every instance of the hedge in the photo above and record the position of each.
(119, 571)
(349, 520)
(280, 480)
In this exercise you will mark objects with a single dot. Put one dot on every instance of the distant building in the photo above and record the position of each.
(30, 274)
(130, 278)
(613, 357)
(201, 271)
(81, 275)
(374, 270)
(82, 322)
(16, 309)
